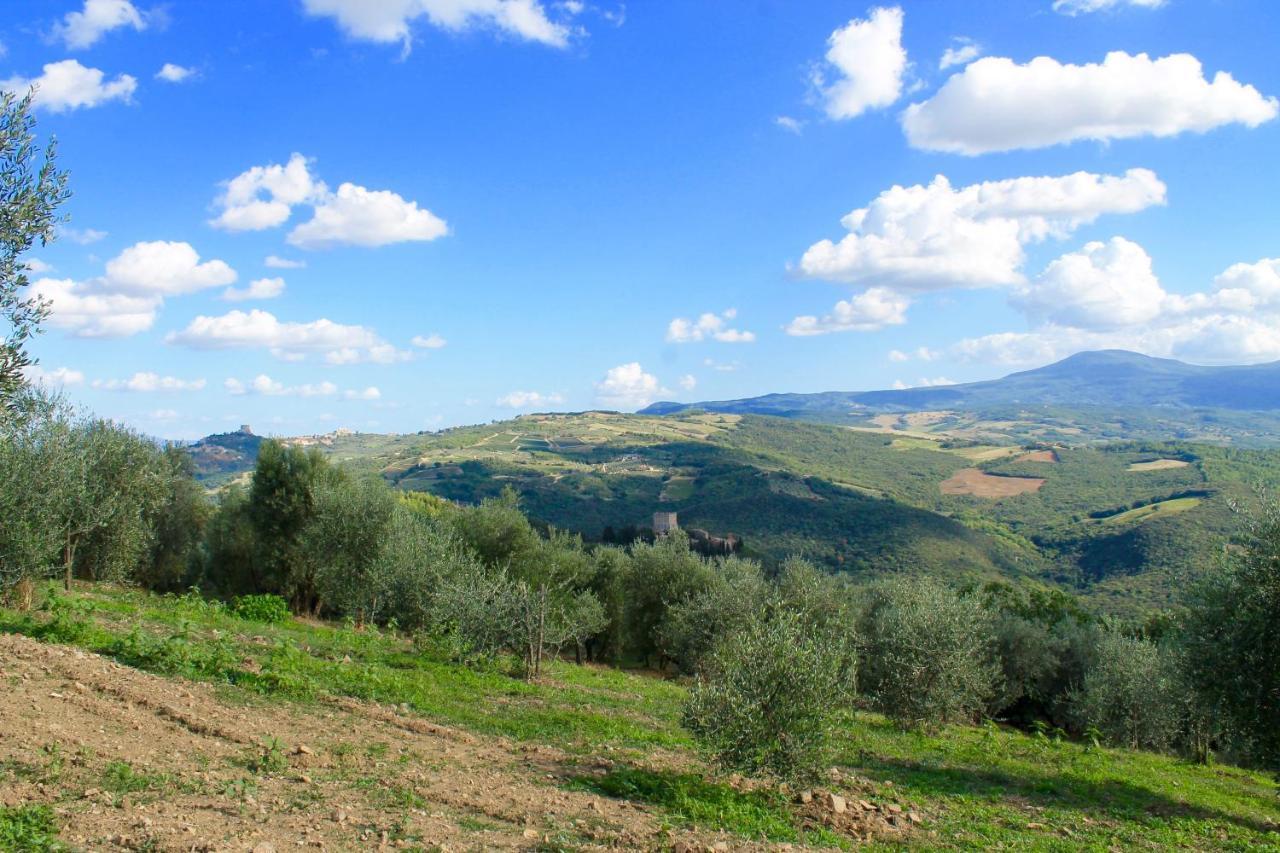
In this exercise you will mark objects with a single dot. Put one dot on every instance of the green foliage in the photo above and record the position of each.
(281, 504)
(1232, 640)
(264, 607)
(1131, 694)
(31, 191)
(928, 652)
(177, 523)
(29, 829)
(770, 693)
(734, 592)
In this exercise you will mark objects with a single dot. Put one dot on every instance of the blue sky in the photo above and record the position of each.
(571, 205)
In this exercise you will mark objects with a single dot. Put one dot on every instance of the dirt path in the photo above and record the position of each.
(130, 760)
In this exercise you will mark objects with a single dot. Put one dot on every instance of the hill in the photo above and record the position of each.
(1090, 396)
(239, 735)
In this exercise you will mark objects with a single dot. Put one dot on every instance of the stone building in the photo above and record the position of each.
(664, 523)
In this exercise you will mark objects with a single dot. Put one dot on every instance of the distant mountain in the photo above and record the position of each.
(219, 457)
(1108, 379)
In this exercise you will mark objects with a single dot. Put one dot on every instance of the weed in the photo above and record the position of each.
(30, 829)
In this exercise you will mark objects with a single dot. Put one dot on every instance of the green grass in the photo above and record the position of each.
(698, 803)
(1162, 508)
(977, 787)
(29, 829)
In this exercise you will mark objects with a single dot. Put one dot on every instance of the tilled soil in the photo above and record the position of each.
(132, 761)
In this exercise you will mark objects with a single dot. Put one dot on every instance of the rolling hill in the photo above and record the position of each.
(1090, 396)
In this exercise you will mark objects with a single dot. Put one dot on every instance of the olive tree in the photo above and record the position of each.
(31, 190)
(928, 652)
(1131, 694)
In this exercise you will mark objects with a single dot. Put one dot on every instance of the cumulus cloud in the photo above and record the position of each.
(708, 327)
(290, 341)
(961, 52)
(1103, 286)
(125, 299)
(924, 382)
(370, 393)
(148, 382)
(261, 288)
(87, 311)
(359, 217)
(996, 104)
(264, 196)
(162, 268)
(68, 85)
(266, 386)
(1076, 7)
(37, 266)
(627, 386)
(1236, 320)
(868, 311)
(390, 22)
(920, 353)
(529, 400)
(171, 73)
(82, 29)
(81, 236)
(866, 60)
(59, 376)
(688, 382)
(278, 263)
(931, 237)
(432, 341)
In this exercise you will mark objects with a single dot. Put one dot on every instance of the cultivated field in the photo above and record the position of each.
(979, 484)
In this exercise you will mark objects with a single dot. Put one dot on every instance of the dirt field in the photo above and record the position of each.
(1038, 456)
(130, 761)
(972, 481)
(1158, 465)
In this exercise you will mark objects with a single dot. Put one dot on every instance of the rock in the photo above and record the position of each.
(806, 797)
(914, 817)
(1035, 826)
(303, 749)
(865, 806)
(264, 847)
(682, 847)
(836, 803)
(531, 834)
(339, 816)
(721, 847)
(894, 808)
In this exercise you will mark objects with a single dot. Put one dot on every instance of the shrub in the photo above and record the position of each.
(769, 695)
(929, 656)
(261, 608)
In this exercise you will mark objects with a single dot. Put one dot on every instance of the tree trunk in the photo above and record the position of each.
(68, 556)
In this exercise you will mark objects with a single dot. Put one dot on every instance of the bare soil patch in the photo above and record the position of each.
(972, 481)
(1038, 456)
(131, 761)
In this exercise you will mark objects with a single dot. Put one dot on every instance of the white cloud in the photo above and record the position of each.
(1236, 320)
(68, 85)
(708, 326)
(161, 268)
(171, 73)
(360, 217)
(627, 386)
(289, 341)
(264, 385)
(793, 125)
(163, 415)
(721, 366)
(996, 104)
(869, 62)
(147, 382)
(1076, 7)
(82, 236)
(388, 21)
(1103, 286)
(89, 312)
(37, 266)
(261, 288)
(932, 237)
(370, 393)
(82, 29)
(924, 382)
(688, 382)
(277, 263)
(63, 376)
(263, 196)
(432, 341)
(961, 52)
(920, 353)
(868, 311)
(529, 400)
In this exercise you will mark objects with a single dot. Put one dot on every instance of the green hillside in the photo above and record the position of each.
(861, 501)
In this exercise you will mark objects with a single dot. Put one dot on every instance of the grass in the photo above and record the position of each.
(977, 787)
(29, 829)
(1162, 508)
(696, 802)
